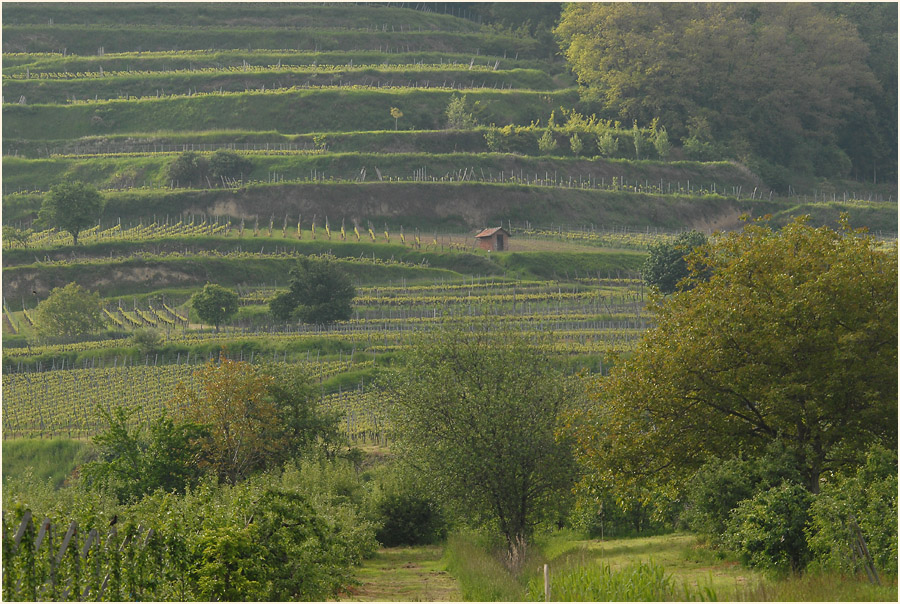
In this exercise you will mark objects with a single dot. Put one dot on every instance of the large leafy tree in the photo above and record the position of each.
(257, 417)
(741, 73)
(320, 292)
(71, 207)
(214, 304)
(792, 338)
(68, 312)
(476, 412)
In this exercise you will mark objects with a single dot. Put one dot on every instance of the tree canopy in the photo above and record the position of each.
(68, 312)
(214, 304)
(792, 338)
(476, 412)
(72, 207)
(257, 416)
(666, 266)
(742, 74)
(320, 292)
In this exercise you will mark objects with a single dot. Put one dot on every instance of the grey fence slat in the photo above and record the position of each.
(92, 536)
(73, 528)
(25, 520)
(45, 526)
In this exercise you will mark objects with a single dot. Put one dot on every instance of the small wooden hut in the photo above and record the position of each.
(496, 239)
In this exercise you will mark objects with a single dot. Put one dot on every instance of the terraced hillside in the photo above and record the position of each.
(382, 137)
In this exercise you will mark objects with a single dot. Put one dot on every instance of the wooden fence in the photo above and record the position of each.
(52, 563)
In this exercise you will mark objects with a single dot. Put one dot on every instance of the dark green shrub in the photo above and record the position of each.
(228, 165)
(869, 494)
(188, 169)
(719, 485)
(768, 530)
(666, 265)
(409, 519)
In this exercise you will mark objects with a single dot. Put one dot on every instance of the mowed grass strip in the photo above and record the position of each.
(404, 574)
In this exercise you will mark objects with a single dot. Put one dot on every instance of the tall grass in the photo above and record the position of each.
(482, 576)
(637, 582)
(48, 461)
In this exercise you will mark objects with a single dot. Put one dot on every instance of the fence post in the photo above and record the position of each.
(859, 546)
(546, 583)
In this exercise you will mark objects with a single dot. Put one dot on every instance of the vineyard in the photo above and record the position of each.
(380, 138)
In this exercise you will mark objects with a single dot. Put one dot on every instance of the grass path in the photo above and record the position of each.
(404, 574)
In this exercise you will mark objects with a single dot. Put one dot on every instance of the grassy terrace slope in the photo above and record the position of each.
(427, 205)
(237, 13)
(109, 172)
(60, 90)
(289, 111)
(87, 39)
(58, 65)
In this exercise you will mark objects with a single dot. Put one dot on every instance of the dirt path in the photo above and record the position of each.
(404, 574)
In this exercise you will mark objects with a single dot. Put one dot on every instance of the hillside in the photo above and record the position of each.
(228, 140)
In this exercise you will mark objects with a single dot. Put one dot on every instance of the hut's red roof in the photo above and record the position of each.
(490, 232)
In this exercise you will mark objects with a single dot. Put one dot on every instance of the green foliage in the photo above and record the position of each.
(576, 144)
(641, 143)
(476, 412)
(134, 461)
(637, 582)
(607, 144)
(767, 530)
(189, 169)
(148, 340)
(407, 518)
(214, 304)
(869, 495)
(13, 234)
(547, 142)
(661, 142)
(301, 421)
(714, 62)
(792, 338)
(666, 266)
(68, 312)
(320, 292)
(228, 165)
(458, 116)
(71, 207)
(721, 484)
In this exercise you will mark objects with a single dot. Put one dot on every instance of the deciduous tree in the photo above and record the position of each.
(214, 304)
(320, 292)
(68, 312)
(476, 412)
(746, 69)
(792, 338)
(71, 207)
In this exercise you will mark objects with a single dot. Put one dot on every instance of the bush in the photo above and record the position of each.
(228, 165)
(409, 519)
(458, 118)
(768, 530)
(720, 485)
(547, 142)
(147, 340)
(607, 145)
(870, 495)
(188, 168)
